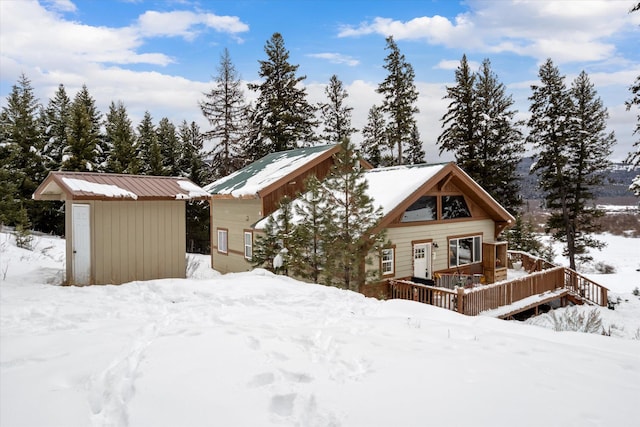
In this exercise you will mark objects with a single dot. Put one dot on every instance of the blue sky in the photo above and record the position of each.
(160, 55)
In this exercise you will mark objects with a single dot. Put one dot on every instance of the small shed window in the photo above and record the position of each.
(223, 235)
(387, 261)
(465, 250)
(248, 244)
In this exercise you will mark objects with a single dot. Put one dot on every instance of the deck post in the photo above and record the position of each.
(460, 302)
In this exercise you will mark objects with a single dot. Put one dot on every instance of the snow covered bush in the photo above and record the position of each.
(576, 320)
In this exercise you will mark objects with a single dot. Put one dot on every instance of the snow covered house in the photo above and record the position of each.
(437, 218)
(121, 228)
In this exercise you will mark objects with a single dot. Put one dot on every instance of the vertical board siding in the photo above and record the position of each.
(138, 240)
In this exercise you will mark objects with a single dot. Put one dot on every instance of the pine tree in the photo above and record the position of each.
(54, 121)
(84, 150)
(311, 212)
(193, 166)
(170, 150)
(274, 249)
(121, 140)
(568, 127)
(460, 122)
(500, 142)
(21, 160)
(633, 158)
(522, 237)
(374, 146)
(336, 116)
(349, 231)
(415, 153)
(400, 96)
(226, 110)
(282, 119)
(148, 148)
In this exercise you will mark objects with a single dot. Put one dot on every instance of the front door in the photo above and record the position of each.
(81, 244)
(422, 260)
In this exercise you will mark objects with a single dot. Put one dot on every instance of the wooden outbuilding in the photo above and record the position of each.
(120, 228)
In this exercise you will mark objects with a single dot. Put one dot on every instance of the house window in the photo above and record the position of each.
(248, 244)
(465, 250)
(423, 209)
(387, 261)
(454, 207)
(223, 236)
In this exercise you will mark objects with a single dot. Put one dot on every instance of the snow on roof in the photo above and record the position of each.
(388, 187)
(253, 178)
(60, 185)
(107, 190)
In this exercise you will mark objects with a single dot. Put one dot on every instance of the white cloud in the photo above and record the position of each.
(336, 58)
(566, 31)
(186, 24)
(453, 64)
(62, 5)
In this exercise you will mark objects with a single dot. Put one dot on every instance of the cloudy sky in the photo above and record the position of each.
(160, 55)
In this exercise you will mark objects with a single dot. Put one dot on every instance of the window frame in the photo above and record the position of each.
(476, 249)
(392, 262)
(248, 246)
(223, 241)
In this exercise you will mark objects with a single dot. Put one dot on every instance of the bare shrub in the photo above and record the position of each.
(604, 268)
(576, 320)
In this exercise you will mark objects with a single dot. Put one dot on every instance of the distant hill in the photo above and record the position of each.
(619, 178)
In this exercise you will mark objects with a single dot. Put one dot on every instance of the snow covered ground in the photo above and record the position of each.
(254, 349)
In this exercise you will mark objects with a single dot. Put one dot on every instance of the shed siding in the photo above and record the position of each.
(134, 240)
(402, 238)
(235, 215)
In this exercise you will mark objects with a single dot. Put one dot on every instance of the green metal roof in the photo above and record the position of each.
(249, 180)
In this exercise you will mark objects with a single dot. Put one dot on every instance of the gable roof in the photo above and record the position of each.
(60, 185)
(395, 188)
(256, 179)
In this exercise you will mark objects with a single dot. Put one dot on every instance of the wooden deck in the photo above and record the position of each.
(544, 283)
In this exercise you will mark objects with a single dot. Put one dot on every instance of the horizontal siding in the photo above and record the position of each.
(236, 215)
(402, 237)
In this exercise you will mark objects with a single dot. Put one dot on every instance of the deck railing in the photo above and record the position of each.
(440, 297)
(453, 280)
(528, 262)
(474, 300)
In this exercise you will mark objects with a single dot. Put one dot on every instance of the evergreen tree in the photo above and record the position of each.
(374, 146)
(225, 109)
(460, 122)
(84, 150)
(170, 150)
(194, 167)
(350, 230)
(21, 162)
(633, 158)
(54, 121)
(499, 141)
(312, 212)
(568, 127)
(148, 148)
(282, 119)
(274, 249)
(415, 153)
(522, 237)
(400, 96)
(336, 116)
(120, 139)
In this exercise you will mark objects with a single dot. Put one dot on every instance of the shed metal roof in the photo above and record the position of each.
(261, 174)
(60, 185)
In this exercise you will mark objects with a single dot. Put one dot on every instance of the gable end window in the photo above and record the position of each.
(223, 236)
(387, 262)
(465, 250)
(454, 207)
(248, 245)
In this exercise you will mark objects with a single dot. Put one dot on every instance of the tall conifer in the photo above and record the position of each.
(336, 115)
